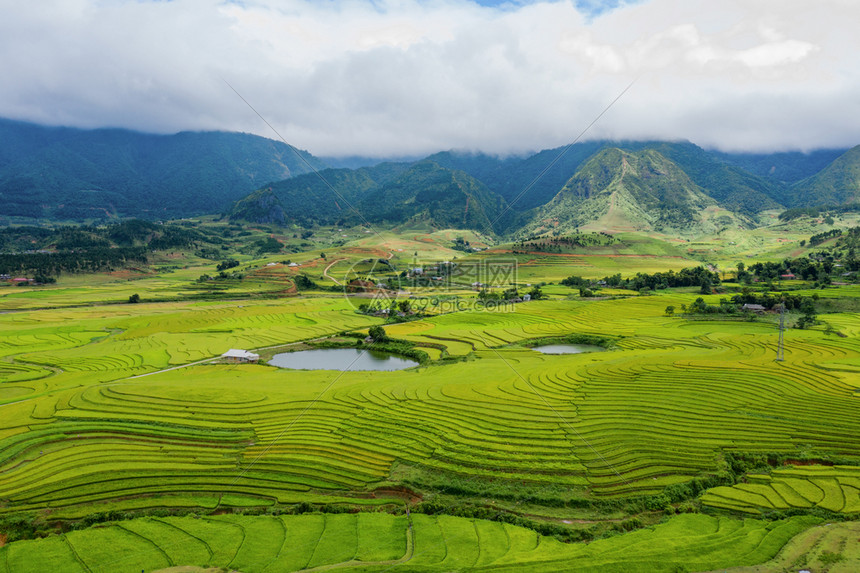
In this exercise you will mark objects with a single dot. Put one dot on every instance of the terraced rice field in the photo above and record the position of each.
(117, 407)
(379, 542)
(830, 547)
(79, 427)
(835, 489)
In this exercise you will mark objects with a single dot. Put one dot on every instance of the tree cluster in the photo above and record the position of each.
(81, 261)
(692, 276)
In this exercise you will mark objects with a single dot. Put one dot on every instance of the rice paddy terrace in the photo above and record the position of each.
(119, 408)
(382, 542)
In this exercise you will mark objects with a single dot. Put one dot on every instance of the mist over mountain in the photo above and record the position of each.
(836, 184)
(63, 174)
(74, 174)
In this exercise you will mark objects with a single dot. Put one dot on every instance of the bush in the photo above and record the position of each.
(377, 333)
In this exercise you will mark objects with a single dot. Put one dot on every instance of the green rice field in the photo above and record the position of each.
(107, 407)
(834, 488)
(382, 542)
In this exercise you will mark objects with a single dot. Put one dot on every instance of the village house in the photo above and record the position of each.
(235, 356)
(757, 308)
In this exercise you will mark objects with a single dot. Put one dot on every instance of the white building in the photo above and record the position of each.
(235, 356)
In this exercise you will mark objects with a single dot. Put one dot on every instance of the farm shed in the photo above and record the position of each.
(235, 356)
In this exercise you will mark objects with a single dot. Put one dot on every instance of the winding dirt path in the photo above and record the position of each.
(328, 276)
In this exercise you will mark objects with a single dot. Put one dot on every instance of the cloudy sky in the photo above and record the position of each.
(399, 77)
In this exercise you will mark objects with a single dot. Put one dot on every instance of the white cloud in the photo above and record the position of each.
(409, 76)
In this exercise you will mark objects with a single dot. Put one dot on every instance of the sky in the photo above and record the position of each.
(385, 78)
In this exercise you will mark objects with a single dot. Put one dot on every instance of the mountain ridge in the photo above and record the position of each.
(68, 174)
(836, 184)
(73, 174)
(631, 190)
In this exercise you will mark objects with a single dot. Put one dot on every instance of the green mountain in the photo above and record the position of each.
(74, 174)
(261, 206)
(527, 182)
(836, 184)
(785, 168)
(631, 190)
(392, 193)
(730, 186)
(535, 180)
(326, 197)
(430, 194)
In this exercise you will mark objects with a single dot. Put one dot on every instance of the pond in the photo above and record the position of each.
(351, 359)
(568, 348)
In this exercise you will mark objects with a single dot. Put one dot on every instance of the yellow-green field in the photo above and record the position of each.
(657, 410)
(109, 406)
(381, 542)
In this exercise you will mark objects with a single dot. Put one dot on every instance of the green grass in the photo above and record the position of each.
(442, 543)
(653, 412)
(82, 432)
(833, 488)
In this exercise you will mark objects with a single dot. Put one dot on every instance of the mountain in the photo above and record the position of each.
(444, 198)
(836, 184)
(392, 193)
(325, 197)
(359, 161)
(786, 168)
(631, 190)
(642, 185)
(533, 181)
(74, 174)
(728, 185)
(527, 182)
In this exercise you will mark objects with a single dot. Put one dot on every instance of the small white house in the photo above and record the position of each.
(235, 356)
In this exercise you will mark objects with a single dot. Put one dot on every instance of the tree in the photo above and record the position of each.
(670, 310)
(134, 299)
(322, 255)
(377, 333)
(808, 310)
(404, 306)
(536, 293)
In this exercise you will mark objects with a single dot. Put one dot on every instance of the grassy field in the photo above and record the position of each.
(831, 547)
(835, 489)
(107, 406)
(382, 542)
(657, 410)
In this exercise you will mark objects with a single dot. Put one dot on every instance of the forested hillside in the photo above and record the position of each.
(73, 174)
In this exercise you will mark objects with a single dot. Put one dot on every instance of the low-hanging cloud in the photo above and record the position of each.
(398, 77)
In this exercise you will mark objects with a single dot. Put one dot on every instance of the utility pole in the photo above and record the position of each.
(780, 354)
